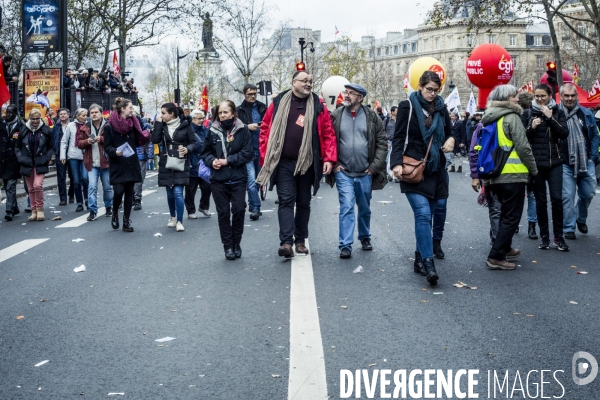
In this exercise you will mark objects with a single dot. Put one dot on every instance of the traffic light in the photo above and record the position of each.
(552, 80)
(300, 66)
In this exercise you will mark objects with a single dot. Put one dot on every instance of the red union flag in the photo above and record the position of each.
(204, 99)
(4, 93)
(406, 82)
(594, 92)
(528, 87)
(116, 67)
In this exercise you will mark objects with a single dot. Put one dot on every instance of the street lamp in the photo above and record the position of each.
(451, 86)
(304, 46)
(177, 90)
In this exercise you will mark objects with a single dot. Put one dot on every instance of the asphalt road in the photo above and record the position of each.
(238, 334)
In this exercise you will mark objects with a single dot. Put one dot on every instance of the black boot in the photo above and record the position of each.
(114, 222)
(237, 250)
(432, 276)
(419, 268)
(437, 249)
(229, 254)
(127, 225)
(531, 231)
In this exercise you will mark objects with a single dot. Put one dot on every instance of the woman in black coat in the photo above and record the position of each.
(174, 131)
(545, 126)
(9, 164)
(123, 129)
(428, 122)
(34, 150)
(227, 149)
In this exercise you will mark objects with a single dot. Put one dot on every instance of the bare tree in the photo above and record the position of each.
(345, 58)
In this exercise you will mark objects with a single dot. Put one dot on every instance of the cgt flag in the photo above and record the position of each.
(204, 100)
(594, 92)
(575, 73)
(4, 93)
(116, 67)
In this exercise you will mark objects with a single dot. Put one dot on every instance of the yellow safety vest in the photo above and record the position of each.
(513, 165)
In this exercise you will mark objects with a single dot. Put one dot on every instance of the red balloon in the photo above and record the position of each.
(567, 77)
(488, 66)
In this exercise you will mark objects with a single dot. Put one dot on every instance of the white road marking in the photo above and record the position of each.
(77, 222)
(20, 247)
(307, 378)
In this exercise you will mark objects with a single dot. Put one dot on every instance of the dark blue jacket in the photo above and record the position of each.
(57, 135)
(195, 157)
(591, 139)
(201, 132)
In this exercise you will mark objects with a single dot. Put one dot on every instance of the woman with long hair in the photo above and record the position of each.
(175, 132)
(424, 118)
(227, 149)
(545, 125)
(34, 148)
(121, 136)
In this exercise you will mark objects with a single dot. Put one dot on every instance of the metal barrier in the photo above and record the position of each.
(85, 98)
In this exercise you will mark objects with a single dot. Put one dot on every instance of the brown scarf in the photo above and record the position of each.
(277, 137)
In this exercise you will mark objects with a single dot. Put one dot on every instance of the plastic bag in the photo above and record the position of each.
(204, 171)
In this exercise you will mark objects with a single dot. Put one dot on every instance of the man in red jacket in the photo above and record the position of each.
(297, 147)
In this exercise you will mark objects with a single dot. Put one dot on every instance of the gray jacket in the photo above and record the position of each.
(378, 144)
(68, 148)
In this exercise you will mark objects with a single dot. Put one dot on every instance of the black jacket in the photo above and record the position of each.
(460, 135)
(435, 184)
(122, 169)
(244, 111)
(41, 159)
(9, 164)
(239, 153)
(544, 139)
(183, 136)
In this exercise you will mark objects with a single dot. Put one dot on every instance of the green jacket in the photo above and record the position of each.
(378, 144)
(515, 132)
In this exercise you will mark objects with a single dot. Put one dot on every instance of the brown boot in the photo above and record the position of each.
(33, 216)
(40, 214)
(459, 168)
(451, 169)
(500, 264)
(286, 251)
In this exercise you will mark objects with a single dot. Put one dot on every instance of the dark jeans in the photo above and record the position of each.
(121, 189)
(10, 186)
(80, 180)
(137, 189)
(439, 215)
(230, 202)
(61, 180)
(293, 191)
(511, 197)
(554, 177)
(190, 194)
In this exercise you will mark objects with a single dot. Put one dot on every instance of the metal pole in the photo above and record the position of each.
(63, 40)
(177, 100)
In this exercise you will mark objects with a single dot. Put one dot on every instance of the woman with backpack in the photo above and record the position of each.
(545, 126)
(503, 117)
(425, 120)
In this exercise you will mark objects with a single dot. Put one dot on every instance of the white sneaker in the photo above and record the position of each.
(180, 227)
(206, 213)
(172, 222)
(192, 216)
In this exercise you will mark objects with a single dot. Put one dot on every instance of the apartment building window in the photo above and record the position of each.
(539, 61)
(537, 41)
(491, 39)
(387, 51)
(396, 49)
(449, 41)
(425, 44)
(413, 47)
(437, 43)
(398, 68)
(513, 40)
(469, 40)
(378, 52)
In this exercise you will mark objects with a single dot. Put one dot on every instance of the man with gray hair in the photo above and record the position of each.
(91, 141)
(361, 168)
(580, 152)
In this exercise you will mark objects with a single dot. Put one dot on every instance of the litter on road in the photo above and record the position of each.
(165, 339)
(77, 240)
(81, 268)
(358, 270)
(41, 363)
(158, 234)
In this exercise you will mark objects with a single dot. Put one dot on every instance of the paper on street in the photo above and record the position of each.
(165, 339)
(41, 363)
(81, 268)
(77, 240)
(126, 149)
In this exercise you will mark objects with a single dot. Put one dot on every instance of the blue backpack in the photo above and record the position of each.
(491, 157)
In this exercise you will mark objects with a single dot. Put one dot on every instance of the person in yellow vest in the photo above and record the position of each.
(509, 187)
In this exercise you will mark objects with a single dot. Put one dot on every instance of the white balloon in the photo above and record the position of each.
(332, 88)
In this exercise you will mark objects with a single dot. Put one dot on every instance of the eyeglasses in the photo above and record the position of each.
(305, 81)
(251, 94)
(34, 119)
(431, 90)
(350, 93)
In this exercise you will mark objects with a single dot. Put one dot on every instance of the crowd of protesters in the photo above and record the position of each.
(295, 143)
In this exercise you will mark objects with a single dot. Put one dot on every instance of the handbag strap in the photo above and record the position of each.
(408, 125)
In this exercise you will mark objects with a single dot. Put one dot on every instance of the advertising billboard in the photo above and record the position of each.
(42, 89)
(41, 21)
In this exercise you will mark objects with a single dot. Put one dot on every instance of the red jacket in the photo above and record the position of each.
(327, 139)
(83, 134)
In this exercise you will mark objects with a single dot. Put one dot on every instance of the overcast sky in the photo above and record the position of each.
(352, 17)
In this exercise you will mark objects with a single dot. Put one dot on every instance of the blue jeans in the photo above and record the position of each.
(423, 209)
(252, 170)
(175, 200)
(107, 195)
(80, 180)
(585, 184)
(353, 191)
(531, 210)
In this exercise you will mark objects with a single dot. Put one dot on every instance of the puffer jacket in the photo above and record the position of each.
(544, 139)
(515, 132)
(239, 152)
(183, 136)
(41, 159)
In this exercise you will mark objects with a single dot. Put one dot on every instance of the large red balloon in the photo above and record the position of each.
(567, 77)
(488, 66)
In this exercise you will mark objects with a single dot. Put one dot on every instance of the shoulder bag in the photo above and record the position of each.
(412, 169)
(174, 162)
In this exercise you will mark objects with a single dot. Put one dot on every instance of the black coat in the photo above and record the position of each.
(9, 164)
(41, 159)
(122, 169)
(239, 153)
(183, 136)
(435, 184)
(544, 139)
(460, 135)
